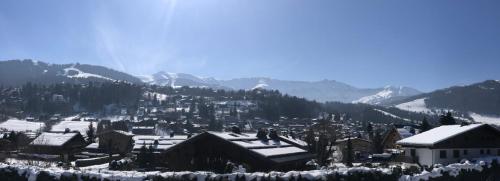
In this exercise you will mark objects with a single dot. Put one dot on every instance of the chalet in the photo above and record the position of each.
(116, 141)
(64, 144)
(213, 150)
(452, 143)
(360, 147)
(392, 135)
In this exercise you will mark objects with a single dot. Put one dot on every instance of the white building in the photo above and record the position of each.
(452, 143)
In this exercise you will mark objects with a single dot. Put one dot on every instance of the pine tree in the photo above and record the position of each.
(378, 146)
(369, 130)
(349, 153)
(447, 119)
(273, 134)
(91, 133)
(425, 125)
(261, 134)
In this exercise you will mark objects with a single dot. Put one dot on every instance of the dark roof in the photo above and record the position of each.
(282, 150)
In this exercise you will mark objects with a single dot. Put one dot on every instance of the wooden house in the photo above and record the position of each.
(213, 150)
(116, 142)
(64, 144)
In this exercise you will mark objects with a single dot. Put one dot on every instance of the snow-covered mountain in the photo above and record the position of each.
(387, 94)
(179, 80)
(19, 72)
(479, 102)
(325, 90)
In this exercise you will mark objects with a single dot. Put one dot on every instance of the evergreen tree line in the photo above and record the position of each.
(91, 97)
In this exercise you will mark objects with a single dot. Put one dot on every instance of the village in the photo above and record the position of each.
(170, 133)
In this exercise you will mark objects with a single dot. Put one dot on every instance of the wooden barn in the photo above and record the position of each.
(213, 150)
(116, 141)
(64, 144)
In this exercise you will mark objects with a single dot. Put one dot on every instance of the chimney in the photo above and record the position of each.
(235, 130)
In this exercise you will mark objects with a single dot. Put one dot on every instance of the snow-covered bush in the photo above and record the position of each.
(480, 170)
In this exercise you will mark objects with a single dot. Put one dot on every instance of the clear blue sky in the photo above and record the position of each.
(426, 44)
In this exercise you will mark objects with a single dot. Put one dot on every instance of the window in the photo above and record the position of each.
(488, 151)
(481, 152)
(412, 152)
(442, 154)
(466, 152)
(456, 153)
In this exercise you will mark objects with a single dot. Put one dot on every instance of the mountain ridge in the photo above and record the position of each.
(324, 90)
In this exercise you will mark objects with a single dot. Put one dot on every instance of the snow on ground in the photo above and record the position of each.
(452, 169)
(376, 98)
(116, 118)
(71, 118)
(261, 85)
(485, 119)
(81, 74)
(81, 126)
(392, 115)
(21, 125)
(101, 172)
(417, 105)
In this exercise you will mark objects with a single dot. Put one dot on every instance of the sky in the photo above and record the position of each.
(425, 44)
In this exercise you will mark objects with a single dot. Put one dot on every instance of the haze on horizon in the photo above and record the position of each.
(422, 44)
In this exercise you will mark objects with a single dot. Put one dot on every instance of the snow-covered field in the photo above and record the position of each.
(392, 115)
(417, 105)
(77, 73)
(21, 125)
(81, 126)
(485, 119)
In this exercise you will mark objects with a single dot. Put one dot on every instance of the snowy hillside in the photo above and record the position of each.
(19, 72)
(478, 102)
(388, 93)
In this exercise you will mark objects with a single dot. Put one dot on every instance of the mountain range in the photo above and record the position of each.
(323, 91)
(478, 102)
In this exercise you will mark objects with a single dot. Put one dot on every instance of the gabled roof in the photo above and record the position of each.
(436, 135)
(53, 139)
(270, 149)
(277, 151)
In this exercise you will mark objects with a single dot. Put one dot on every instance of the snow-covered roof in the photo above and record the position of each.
(279, 151)
(124, 132)
(404, 133)
(433, 136)
(234, 136)
(260, 144)
(53, 139)
(273, 149)
(21, 125)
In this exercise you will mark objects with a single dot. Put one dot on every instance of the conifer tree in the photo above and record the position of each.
(91, 133)
(425, 125)
(349, 153)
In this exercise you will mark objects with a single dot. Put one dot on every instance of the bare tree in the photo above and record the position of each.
(321, 139)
